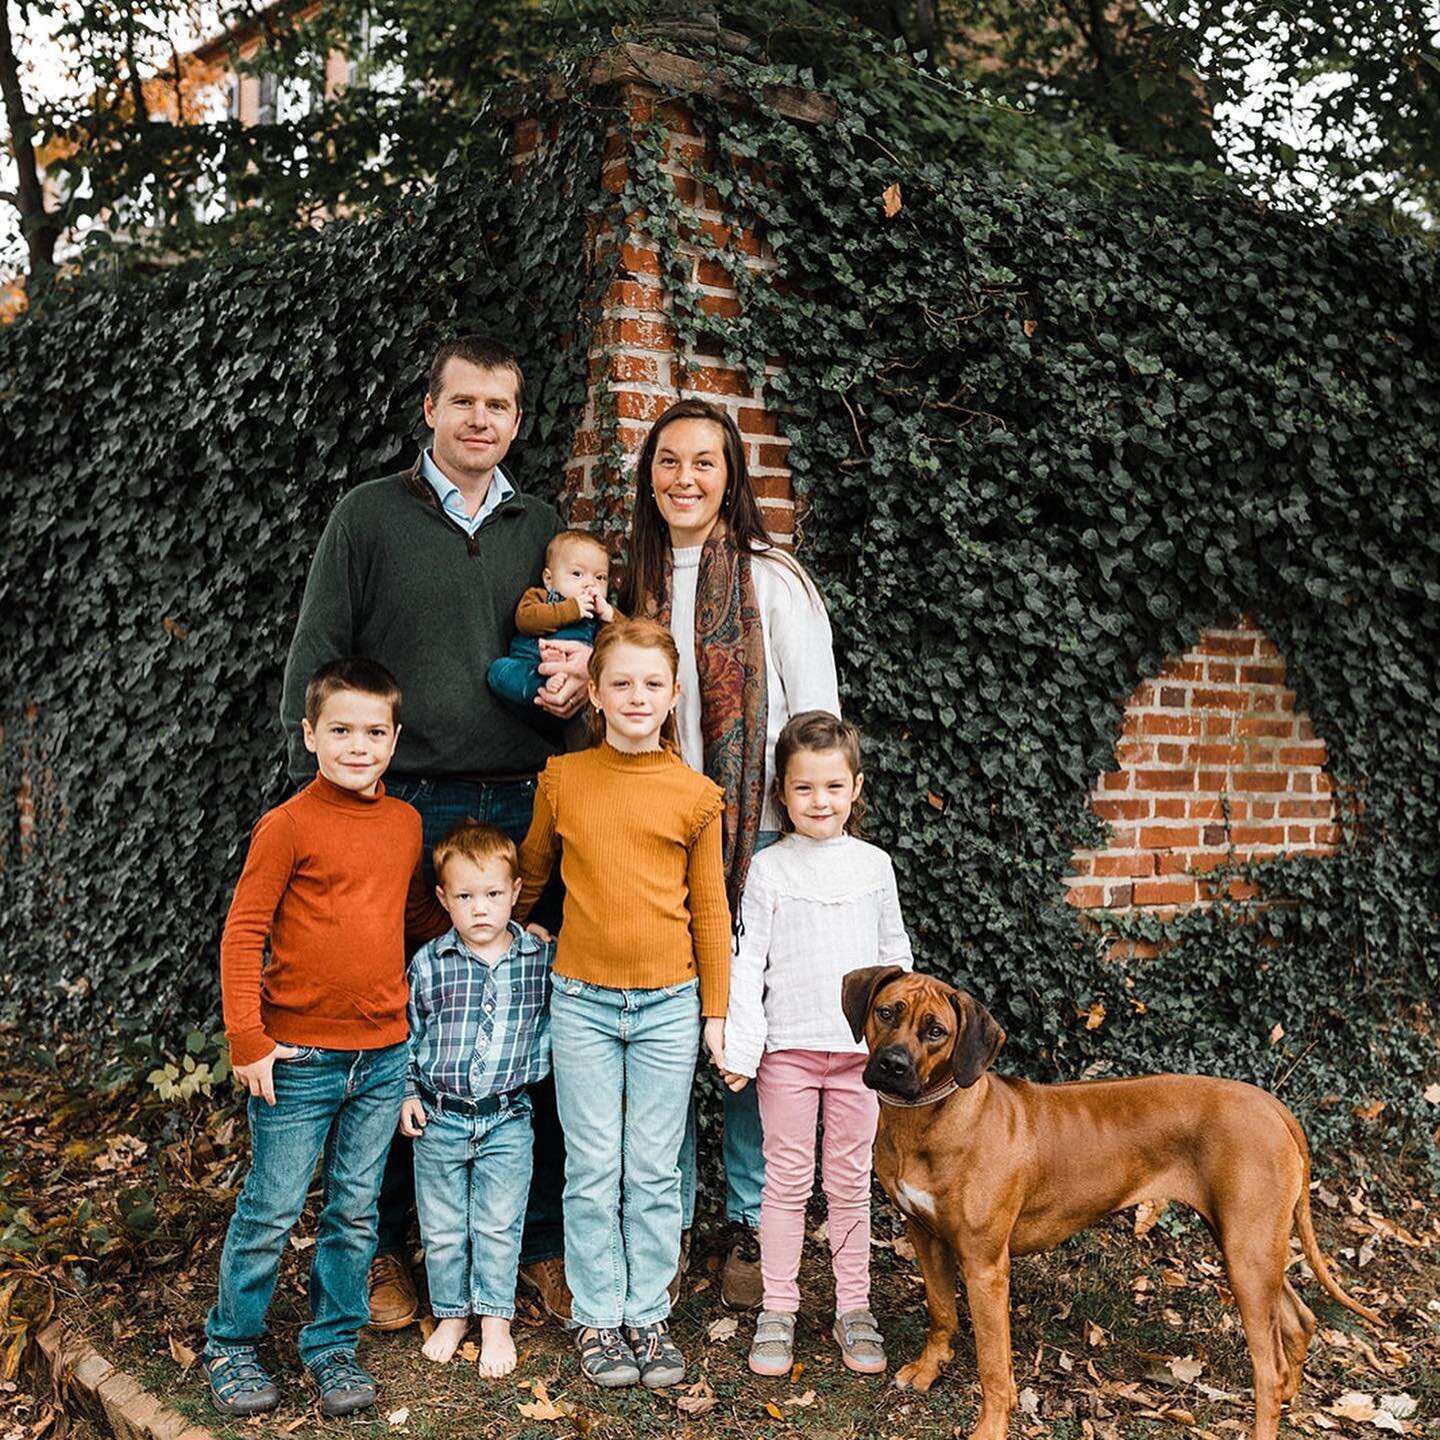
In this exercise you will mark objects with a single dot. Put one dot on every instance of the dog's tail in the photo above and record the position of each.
(1308, 1242)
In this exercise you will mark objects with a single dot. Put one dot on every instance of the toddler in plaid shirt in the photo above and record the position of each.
(479, 1035)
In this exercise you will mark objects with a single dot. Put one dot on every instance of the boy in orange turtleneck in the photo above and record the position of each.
(317, 1034)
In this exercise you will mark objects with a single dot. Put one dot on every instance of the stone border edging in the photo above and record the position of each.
(133, 1413)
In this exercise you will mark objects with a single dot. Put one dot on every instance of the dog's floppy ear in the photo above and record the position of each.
(858, 988)
(978, 1042)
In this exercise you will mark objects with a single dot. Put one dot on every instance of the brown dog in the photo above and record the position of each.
(985, 1167)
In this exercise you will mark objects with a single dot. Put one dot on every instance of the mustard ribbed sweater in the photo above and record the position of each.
(639, 839)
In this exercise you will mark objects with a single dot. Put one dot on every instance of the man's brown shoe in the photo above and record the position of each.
(393, 1301)
(547, 1279)
(741, 1286)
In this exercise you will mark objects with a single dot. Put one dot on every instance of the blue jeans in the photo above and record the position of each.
(624, 1060)
(742, 1147)
(472, 1174)
(506, 804)
(342, 1105)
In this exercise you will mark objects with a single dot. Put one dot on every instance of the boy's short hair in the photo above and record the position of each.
(481, 351)
(354, 672)
(573, 537)
(478, 843)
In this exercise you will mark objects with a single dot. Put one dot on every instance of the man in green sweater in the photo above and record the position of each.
(421, 571)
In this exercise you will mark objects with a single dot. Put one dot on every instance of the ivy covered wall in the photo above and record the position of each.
(1044, 430)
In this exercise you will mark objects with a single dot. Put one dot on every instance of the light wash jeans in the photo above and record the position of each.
(342, 1105)
(624, 1060)
(742, 1144)
(472, 1173)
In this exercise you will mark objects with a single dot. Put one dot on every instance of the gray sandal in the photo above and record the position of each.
(772, 1351)
(861, 1346)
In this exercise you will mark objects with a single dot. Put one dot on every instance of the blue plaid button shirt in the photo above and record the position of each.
(478, 1029)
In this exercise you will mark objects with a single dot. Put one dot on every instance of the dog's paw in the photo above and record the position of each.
(917, 1376)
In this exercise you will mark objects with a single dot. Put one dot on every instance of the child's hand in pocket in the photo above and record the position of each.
(259, 1076)
(412, 1119)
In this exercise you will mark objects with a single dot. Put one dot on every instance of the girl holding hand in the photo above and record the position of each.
(819, 903)
(755, 648)
(642, 955)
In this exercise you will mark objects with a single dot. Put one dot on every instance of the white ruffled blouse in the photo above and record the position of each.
(813, 910)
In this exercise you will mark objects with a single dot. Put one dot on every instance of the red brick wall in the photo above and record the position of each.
(1214, 764)
(637, 368)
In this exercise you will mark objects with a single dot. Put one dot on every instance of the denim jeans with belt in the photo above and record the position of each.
(472, 1173)
(624, 1060)
(506, 804)
(342, 1105)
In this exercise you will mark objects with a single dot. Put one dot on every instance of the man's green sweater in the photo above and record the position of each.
(396, 581)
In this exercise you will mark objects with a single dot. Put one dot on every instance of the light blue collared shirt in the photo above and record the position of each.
(453, 502)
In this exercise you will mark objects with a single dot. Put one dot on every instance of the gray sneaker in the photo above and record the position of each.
(344, 1387)
(658, 1356)
(239, 1384)
(861, 1346)
(772, 1351)
(605, 1359)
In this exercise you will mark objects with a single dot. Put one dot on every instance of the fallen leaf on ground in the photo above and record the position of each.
(1354, 1405)
(695, 1404)
(903, 1248)
(541, 1410)
(1402, 1406)
(181, 1353)
(1186, 1368)
(723, 1328)
(1432, 1094)
(1211, 1392)
(397, 1418)
(890, 198)
(796, 1371)
(470, 1351)
(808, 1398)
(1095, 1336)
(773, 1410)
(1147, 1212)
(1030, 1402)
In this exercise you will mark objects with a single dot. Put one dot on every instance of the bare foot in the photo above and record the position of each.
(444, 1339)
(497, 1349)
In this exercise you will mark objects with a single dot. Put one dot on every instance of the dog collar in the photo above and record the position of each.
(929, 1097)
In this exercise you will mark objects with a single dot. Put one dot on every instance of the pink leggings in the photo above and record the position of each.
(790, 1084)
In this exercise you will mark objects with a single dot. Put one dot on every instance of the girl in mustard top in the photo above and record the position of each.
(643, 954)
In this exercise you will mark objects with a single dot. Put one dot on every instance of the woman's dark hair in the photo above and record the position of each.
(650, 536)
(816, 730)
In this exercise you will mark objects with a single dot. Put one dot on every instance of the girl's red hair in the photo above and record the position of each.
(646, 635)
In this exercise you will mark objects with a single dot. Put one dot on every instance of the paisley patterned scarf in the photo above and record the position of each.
(734, 705)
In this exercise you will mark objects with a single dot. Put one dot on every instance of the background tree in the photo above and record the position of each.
(1330, 104)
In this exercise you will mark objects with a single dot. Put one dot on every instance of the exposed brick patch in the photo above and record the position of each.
(1214, 764)
(636, 365)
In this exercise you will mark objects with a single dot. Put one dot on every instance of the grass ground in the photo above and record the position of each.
(112, 1208)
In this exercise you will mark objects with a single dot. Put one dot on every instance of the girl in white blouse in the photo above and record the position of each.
(817, 904)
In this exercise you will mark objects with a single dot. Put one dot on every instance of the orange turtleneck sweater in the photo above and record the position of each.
(333, 881)
(639, 839)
